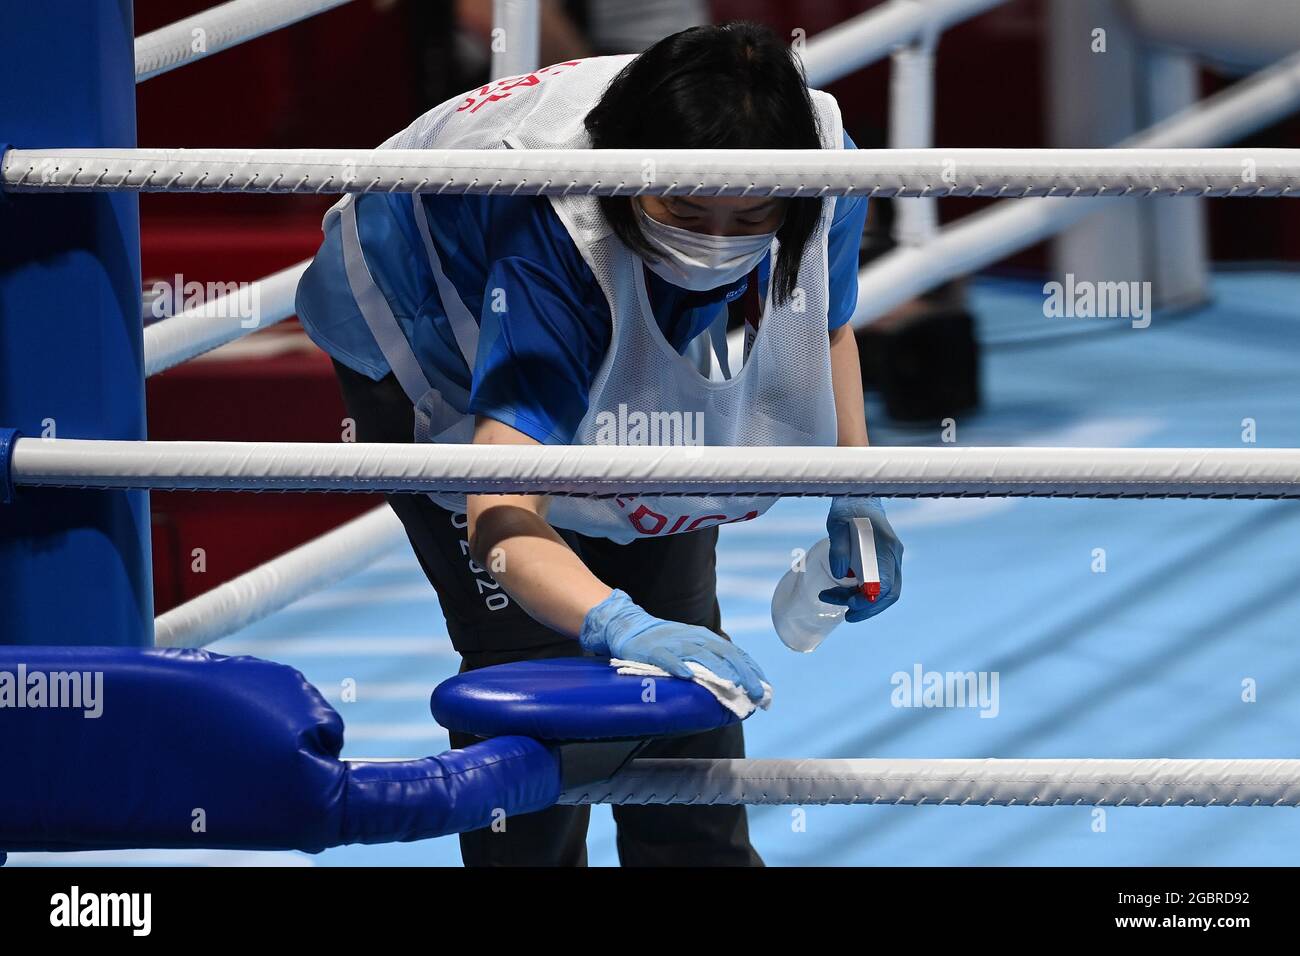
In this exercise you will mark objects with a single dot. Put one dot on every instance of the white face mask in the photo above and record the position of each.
(692, 260)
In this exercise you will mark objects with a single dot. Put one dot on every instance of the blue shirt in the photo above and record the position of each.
(544, 323)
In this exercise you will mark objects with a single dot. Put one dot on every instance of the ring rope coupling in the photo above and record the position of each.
(8, 439)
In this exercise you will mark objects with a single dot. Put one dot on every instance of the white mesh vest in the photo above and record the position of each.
(644, 392)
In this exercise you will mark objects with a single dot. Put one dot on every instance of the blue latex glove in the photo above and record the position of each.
(889, 557)
(616, 627)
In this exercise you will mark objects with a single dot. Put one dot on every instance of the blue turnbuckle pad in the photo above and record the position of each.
(574, 698)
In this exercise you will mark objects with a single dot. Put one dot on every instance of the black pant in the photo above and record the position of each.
(673, 578)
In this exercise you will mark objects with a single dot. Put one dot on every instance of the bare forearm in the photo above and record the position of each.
(846, 381)
(510, 538)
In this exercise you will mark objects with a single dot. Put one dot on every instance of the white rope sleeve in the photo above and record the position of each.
(998, 173)
(1030, 783)
(268, 588)
(655, 470)
(218, 28)
(218, 321)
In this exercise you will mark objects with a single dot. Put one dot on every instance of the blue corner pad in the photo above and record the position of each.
(8, 439)
(571, 699)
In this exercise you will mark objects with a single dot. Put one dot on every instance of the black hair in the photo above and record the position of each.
(733, 86)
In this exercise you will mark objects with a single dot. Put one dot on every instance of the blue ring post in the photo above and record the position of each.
(74, 565)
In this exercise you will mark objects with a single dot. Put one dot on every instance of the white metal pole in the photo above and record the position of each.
(911, 126)
(516, 37)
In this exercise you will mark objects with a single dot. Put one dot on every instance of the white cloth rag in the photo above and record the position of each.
(729, 694)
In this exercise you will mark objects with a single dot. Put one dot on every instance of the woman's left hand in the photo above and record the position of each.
(889, 557)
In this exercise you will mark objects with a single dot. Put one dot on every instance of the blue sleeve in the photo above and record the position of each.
(325, 301)
(545, 327)
(842, 245)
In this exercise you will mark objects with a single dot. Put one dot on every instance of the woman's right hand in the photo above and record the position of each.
(617, 627)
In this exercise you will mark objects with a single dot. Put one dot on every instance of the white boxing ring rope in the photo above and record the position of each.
(597, 470)
(991, 782)
(996, 173)
(220, 320)
(273, 586)
(218, 28)
(873, 35)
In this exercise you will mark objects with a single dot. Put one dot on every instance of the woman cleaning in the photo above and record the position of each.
(503, 320)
